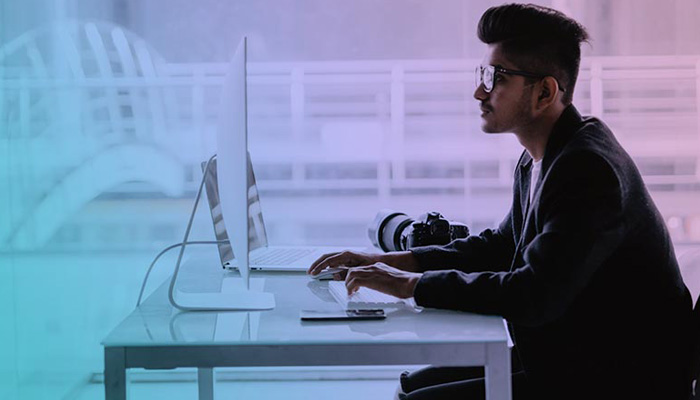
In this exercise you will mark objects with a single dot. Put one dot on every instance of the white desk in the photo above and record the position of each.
(157, 336)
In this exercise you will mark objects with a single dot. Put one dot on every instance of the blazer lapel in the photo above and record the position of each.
(561, 133)
(525, 192)
(524, 186)
(523, 234)
(526, 234)
(521, 200)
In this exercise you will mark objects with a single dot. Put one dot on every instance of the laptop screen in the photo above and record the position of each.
(257, 237)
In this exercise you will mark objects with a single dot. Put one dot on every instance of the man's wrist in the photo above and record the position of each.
(404, 260)
(411, 284)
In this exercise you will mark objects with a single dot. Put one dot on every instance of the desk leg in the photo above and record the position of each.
(116, 385)
(205, 381)
(498, 379)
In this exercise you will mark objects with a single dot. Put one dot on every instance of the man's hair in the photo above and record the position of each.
(537, 39)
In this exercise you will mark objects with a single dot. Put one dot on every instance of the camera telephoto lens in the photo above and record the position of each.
(396, 231)
(386, 229)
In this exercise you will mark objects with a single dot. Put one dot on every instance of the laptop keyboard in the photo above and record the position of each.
(365, 298)
(281, 256)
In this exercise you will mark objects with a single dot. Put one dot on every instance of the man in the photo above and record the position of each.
(582, 267)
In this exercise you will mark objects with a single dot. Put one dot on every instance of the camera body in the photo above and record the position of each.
(396, 231)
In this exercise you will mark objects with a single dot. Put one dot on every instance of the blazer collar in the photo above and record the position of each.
(563, 129)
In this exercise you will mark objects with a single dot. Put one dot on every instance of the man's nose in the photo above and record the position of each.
(479, 93)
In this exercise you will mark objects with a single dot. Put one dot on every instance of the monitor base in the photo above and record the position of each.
(239, 300)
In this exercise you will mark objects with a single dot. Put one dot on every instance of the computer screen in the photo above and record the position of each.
(257, 235)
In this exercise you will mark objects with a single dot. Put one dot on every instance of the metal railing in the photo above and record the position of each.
(388, 129)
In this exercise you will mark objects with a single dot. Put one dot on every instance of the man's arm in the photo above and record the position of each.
(581, 224)
(492, 250)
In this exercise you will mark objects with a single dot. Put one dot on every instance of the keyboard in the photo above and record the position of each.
(280, 256)
(365, 298)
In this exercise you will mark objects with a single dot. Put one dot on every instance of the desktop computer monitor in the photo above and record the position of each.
(232, 156)
(233, 168)
(233, 184)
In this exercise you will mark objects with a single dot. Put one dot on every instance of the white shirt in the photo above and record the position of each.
(534, 176)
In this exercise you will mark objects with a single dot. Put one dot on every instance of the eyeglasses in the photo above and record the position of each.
(486, 75)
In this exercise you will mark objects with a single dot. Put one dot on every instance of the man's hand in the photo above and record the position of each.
(342, 259)
(383, 278)
(402, 260)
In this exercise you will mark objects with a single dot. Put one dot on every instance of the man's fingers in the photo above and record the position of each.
(356, 278)
(375, 276)
(340, 275)
(340, 259)
(352, 285)
(320, 263)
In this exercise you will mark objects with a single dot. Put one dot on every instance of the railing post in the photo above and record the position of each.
(25, 129)
(398, 120)
(7, 170)
(297, 102)
(198, 112)
(26, 165)
(597, 88)
(697, 116)
(3, 120)
(384, 164)
(297, 99)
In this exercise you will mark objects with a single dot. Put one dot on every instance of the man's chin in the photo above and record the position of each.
(486, 124)
(487, 128)
(490, 127)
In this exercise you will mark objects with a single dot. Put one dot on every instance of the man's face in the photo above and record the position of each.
(508, 107)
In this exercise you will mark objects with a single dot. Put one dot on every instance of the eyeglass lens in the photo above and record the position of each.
(484, 75)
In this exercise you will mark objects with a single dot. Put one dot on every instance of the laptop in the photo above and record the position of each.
(262, 256)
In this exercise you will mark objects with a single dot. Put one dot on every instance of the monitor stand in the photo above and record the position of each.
(241, 300)
(238, 299)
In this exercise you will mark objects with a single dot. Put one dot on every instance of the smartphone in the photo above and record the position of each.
(338, 315)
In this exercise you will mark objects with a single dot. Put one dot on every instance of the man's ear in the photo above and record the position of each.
(549, 88)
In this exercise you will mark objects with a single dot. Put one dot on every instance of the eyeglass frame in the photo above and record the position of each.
(497, 69)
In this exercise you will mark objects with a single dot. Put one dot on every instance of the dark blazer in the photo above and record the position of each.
(586, 276)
